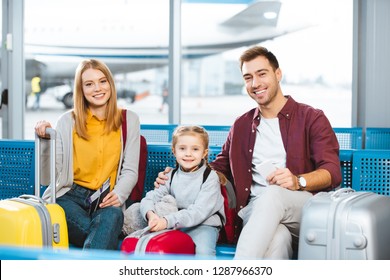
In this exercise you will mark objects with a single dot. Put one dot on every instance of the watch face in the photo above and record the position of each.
(302, 182)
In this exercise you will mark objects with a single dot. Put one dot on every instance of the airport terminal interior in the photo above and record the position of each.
(137, 44)
(176, 62)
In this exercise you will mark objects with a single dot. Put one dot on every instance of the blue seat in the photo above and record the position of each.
(158, 133)
(377, 138)
(217, 134)
(17, 167)
(371, 171)
(346, 157)
(159, 157)
(349, 137)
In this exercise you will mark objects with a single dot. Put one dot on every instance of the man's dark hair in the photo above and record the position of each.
(256, 51)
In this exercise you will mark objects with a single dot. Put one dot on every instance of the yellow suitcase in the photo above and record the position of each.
(27, 220)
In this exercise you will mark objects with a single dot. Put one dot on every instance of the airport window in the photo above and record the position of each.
(315, 55)
(312, 42)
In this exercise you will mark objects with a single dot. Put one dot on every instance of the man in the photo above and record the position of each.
(293, 140)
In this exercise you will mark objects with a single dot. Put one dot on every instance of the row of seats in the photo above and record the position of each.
(362, 169)
(374, 138)
(349, 138)
(162, 133)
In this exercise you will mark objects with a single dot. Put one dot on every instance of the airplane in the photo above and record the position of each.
(131, 36)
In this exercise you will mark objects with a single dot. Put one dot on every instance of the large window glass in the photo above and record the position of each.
(131, 37)
(313, 43)
(311, 39)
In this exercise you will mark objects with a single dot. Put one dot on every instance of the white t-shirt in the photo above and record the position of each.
(268, 147)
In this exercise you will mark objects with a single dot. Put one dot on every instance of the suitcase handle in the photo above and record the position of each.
(141, 232)
(341, 191)
(52, 133)
(29, 196)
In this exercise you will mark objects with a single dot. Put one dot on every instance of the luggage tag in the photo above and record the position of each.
(96, 198)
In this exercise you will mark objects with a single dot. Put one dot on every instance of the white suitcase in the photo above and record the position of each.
(345, 225)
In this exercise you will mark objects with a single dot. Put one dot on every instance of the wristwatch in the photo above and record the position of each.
(301, 183)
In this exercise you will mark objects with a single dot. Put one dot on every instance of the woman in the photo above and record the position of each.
(96, 172)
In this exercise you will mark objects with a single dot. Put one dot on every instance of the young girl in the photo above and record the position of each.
(201, 213)
(92, 159)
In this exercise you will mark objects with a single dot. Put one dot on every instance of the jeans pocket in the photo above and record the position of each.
(79, 195)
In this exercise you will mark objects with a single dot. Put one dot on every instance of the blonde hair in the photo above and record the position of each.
(113, 114)
(196, 130)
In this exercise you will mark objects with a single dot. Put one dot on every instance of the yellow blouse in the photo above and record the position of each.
(97, 159)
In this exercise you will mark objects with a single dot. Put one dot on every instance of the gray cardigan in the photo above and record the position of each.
(128, 163)
(198, 203)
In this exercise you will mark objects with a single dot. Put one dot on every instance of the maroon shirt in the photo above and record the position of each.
(308, 139)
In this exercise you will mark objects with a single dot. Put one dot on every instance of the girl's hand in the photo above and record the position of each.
(155, 222)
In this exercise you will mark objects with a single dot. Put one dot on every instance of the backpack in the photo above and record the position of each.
(227, 232)
(138, 190)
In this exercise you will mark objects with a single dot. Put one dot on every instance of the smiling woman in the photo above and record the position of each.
(96, 163)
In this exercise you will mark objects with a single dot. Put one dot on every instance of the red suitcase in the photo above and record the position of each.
(160, 242)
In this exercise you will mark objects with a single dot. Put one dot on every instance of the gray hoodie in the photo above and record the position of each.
(198, 203)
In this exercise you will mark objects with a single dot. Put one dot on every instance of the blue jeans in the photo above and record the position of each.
(98, 230)
(205, 238)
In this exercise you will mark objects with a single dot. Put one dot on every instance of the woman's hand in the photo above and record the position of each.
(111, 199)
(162, 178)
(40, 128)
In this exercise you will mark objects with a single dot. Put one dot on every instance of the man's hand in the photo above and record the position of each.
(162, 178)
(283, 178)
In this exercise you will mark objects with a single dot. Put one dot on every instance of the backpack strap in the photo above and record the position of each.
(124, 127)
(206, 174)
(173, 173)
